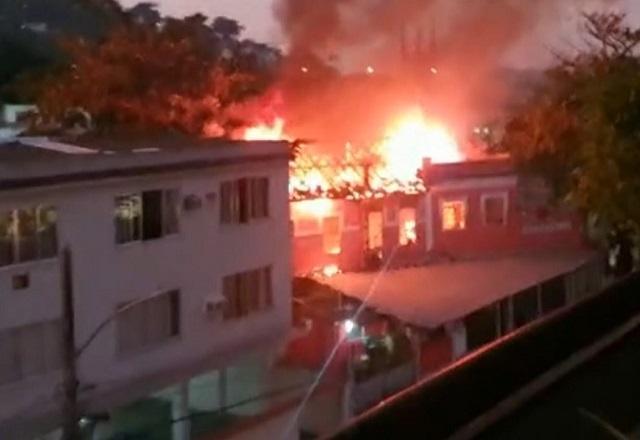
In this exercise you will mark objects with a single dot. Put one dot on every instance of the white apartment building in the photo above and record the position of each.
(180, 254)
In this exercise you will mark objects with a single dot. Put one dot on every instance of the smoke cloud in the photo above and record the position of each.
(444, 55)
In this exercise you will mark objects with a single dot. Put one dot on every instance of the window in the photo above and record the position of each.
(149, 322)
(244, 200)
(494, 210)
(146, 216)
(247, 292)
(30, 350)
(260, 198)
(375, 230)
(331, 236)
(407, 226)
(454, 215)
(28, 234)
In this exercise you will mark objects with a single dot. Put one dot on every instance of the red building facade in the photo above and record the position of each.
(469, 209)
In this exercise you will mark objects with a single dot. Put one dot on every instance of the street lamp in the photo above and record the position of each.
(348, 326)
(70, 385)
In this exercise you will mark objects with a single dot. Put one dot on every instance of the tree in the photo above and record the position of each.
(29, 28)
(145, 13)
(582, 129)
(227, 27)
(144, 78)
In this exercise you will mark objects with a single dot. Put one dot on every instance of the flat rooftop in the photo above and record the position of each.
(42, 161)
(434, 295)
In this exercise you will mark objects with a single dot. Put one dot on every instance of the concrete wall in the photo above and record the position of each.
(106, 274)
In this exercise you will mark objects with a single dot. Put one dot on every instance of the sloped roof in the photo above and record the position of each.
(440, 293)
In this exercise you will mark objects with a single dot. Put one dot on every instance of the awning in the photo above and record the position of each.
(433, 295)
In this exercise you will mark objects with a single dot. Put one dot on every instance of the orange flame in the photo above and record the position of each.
(266, 132)
(410, 140)
(398, 156)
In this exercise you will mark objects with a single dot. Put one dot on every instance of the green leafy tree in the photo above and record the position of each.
(582, 129)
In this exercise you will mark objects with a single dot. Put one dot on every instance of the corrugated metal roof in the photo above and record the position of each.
(437, 294)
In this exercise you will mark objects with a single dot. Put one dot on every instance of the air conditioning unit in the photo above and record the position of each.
(192, 202)
(213, 305)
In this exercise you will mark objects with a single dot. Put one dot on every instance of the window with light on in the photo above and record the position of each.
(454, 215)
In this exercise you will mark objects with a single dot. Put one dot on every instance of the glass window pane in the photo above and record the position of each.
(244, 200)
(128, 216)
(264, 196)
(152, 215)
(494, 211)
(260, 197)
(27, 241)
(170, 207)
(7, 235)
(47, 232)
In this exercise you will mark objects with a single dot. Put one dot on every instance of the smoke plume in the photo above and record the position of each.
(444, 55)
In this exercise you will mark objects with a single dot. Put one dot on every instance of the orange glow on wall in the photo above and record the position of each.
(332, 235)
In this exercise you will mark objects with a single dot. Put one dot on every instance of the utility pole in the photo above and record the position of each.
(70, 414)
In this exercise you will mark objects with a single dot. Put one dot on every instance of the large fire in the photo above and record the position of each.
(410, 140)
(266, 132)
(391, 165)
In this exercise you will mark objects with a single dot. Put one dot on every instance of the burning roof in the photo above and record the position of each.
(391, 165)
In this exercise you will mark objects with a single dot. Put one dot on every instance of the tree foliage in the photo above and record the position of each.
(144, 75)
(28, 30)
(582, 130)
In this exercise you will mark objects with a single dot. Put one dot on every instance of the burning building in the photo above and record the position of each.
(413, 196)
(461, 210)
